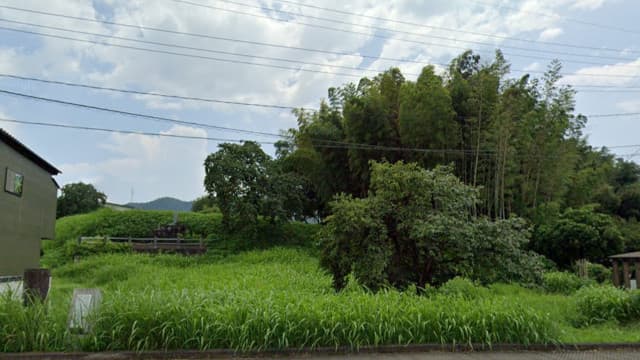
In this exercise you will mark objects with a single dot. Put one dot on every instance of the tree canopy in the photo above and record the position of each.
(416, 226)
(79, 198)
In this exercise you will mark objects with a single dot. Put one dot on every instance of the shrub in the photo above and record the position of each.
(562, 282)
(597, 304)
(462, 288)
(599, 273)
(415, 227)
(634, 305)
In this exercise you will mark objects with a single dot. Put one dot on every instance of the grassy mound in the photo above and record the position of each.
(141, 223)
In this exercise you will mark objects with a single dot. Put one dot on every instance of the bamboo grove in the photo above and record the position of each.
(517, 139)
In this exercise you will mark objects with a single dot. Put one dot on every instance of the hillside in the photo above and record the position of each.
(164, 203)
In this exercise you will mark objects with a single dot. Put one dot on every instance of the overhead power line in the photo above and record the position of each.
(191, 137)
(214, 37)
(179, 97)
(204, 57)
(377, 29)
(323, 142)
(615, 115)
(146, 93)
(422, 25)
(183, 47)
(208, 138)
(340, 53)
(193, 56)
(139, 115)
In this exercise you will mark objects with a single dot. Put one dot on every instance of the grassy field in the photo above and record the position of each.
(279, 298)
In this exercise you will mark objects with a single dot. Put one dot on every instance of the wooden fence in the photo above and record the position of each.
(154, 244)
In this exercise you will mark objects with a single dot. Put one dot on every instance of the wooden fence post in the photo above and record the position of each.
(36, 285)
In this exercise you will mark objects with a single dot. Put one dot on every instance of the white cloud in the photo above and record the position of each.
(607, 75)
(587, 4)
(534, 66)
(11, 128)
(241, 82)
(160, 166)
(629, 105)
(151, 166)
(550, 34)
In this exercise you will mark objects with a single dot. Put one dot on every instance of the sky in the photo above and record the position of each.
(596, 40)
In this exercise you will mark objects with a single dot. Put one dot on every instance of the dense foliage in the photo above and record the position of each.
(574, 234)
(247, 183)
(417, 227)
(517, 140)
(79, 198)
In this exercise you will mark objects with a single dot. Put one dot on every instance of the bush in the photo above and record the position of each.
(73, 249)
(597, 304)
(462, 288)
(634, 305)
(599, 273)
(562, 282)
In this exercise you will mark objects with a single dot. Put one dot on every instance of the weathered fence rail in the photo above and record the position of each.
(154, 244)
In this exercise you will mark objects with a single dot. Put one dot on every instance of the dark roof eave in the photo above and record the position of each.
(28, 153)
(630, 255)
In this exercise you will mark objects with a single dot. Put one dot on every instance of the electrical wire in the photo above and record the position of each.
(377, 29)
(254, 43)
(183, 47)
(156, 94)
(193, 56)
(415, 24)
(144, 93)
(245, 62)
(88, 128)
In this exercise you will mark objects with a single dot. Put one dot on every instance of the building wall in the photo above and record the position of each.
(27, 219)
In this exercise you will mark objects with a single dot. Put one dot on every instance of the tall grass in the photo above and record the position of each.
(255, 320)
(270, 299)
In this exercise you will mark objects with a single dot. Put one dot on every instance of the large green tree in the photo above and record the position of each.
(247, 183)
(79, 198)
(568, 235)
(416, 227)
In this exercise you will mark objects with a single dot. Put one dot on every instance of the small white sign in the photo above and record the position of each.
(83, 304)
(13, 288)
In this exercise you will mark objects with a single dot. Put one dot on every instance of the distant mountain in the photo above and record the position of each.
(165, 203)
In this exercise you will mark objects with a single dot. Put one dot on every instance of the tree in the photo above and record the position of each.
(630, 201)
(416, 227)
(566, 236)
(204, 203)
(426, 119)
(247, 183)
(236, 175)
(79, 198)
